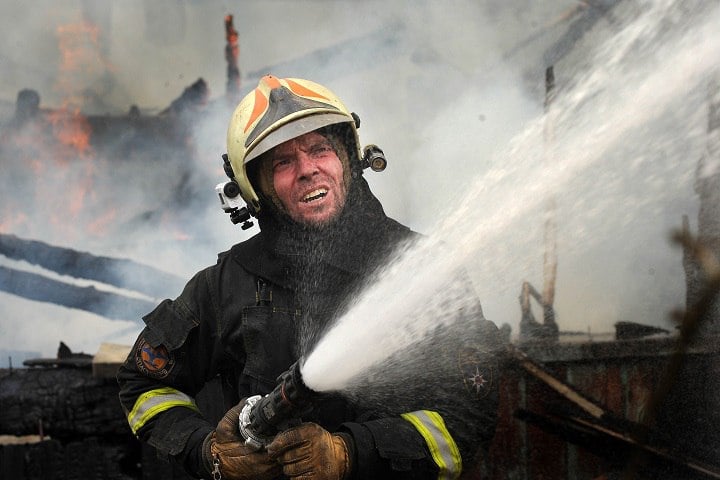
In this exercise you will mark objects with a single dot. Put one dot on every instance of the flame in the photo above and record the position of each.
(54, 161)
(49, 156)
(80, 61)
(72, 130)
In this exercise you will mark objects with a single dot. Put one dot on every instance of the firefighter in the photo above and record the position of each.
(294, 154)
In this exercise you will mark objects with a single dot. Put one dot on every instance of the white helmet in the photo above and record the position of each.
(278, 110)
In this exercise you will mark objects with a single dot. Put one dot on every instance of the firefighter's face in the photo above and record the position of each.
(308, 179)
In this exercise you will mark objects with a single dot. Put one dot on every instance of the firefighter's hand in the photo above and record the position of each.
(227, 457)
(309, 452)
(228, 428)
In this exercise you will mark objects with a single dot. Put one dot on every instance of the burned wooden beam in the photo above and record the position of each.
(540, 373)
(66, 358)
(530, 329)
(647, 443)
(707, 187)
(232, 51)
(628, 330)
(550, 258)
(616, 448)
(690, 323)
(44, 289)
(121, 273)
(192, 99)
(631, 447)
(69, 402)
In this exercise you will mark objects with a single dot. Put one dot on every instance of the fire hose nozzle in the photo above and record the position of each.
(263, 417)
(254, 440)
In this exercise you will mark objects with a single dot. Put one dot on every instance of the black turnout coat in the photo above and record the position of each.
(246, 319)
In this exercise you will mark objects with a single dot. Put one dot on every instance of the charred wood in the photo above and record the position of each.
(69, 403)
(232, 51)
(192, 99)
(43, 289)
(65, 358)
(634, 448)
(80, 429)
(530, 329)
(707, 186)
(78, 460)
(121, 273)
(628, 330)
(616, 448)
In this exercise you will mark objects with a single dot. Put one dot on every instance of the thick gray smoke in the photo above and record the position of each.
(613, 166)
(442, 88)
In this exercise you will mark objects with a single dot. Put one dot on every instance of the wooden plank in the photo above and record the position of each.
(601, 382)
(547, 453)
(507, 452)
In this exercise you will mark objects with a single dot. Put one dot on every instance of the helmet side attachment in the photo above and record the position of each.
(231, 200)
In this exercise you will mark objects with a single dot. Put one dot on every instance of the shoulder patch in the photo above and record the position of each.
(477, 376)
(155, 362)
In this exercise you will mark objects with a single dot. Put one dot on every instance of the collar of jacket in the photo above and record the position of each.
(259, 261)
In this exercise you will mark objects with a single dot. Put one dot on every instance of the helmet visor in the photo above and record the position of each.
(294, 129)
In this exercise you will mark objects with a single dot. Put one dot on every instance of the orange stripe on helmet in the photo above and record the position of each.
(304, 91)
(271, 81)
(261, 103)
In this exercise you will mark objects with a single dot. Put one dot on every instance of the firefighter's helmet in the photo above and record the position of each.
(280, 109)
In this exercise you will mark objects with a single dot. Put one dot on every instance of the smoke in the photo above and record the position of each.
(441, 87)
(614, 175)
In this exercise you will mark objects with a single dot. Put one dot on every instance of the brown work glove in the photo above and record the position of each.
(225, 452)
(309, 452)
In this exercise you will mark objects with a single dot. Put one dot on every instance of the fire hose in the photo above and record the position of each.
(263, 417)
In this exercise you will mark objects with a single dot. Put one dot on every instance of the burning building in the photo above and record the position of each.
(579, 409)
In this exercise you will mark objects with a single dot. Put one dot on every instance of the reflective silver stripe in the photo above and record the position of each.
(441, 444)
(155, 401)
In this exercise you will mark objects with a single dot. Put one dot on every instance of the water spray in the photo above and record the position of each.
(597, 119)
(263, 417)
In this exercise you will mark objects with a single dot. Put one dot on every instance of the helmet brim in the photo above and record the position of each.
(294, 129)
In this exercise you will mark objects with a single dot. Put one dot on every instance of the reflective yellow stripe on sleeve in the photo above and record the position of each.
(155, 401)
(441, 444)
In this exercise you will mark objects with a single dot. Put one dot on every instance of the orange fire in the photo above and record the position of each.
(80, 61)
(72, 130)
(49, 157)
(63, 183)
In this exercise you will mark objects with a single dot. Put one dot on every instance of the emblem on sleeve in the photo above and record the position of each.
(154, 362)
(477, 375)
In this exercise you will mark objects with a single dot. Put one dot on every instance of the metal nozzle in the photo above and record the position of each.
(263, 417)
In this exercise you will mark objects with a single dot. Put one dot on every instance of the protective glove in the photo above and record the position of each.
(227, 457)
(309, 452)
